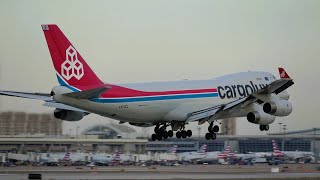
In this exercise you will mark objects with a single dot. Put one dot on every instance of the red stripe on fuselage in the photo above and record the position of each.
(118, 91)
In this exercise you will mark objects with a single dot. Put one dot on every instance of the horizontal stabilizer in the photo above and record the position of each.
(39, 96)
(88, 94)
(62, 106)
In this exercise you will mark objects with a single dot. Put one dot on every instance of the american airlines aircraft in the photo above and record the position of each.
(259, 96)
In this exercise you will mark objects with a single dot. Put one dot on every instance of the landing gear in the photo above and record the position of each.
(161, 132)
(212, 134)
(183, 133)
(178, 134)
(264, 127)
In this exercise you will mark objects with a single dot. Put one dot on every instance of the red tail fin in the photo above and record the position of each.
(283, 73)
(70, 66)
(276, 151)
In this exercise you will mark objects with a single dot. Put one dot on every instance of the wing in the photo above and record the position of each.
(259, 96)
(41, 96)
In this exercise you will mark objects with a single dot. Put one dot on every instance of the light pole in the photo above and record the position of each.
(77, 130)
(199, 130)
(284, 128)
(284, 132)
(280, 127)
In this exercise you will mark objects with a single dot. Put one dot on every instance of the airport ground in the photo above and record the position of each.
(257, 171)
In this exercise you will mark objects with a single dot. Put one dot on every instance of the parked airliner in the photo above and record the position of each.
(259, 96)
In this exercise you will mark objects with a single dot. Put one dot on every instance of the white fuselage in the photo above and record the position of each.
(139, 110)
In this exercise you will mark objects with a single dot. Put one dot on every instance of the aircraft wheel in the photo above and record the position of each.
(153, 137)
(213, 136)
(210, 129)
(183, 134)
(170, 133)
(266, 127)
(178, 134)
(165, 135)
(156, 129)
(215, 128)
(159, 137)
(189, 133)
(208, 136)
(261, 127)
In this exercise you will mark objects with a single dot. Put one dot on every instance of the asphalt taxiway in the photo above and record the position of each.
(260, 172)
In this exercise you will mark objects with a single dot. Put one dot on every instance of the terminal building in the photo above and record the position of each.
(305, 140)
(21, 132)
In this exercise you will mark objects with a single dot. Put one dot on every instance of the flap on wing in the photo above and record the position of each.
(88, 94)
(62, 106)
(39, 96)
(202, 114)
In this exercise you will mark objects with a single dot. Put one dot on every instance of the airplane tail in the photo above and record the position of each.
(66, 157)
(71, 68)
(226, 153)
(276, 151)
(283, 73)
(116, 158)
(174, 150)
(203, 149)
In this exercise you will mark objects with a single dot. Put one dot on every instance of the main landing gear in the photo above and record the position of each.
(264, 127)
(212, 134)
(161, 132)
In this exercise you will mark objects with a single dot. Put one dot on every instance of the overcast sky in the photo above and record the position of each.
(139, 41)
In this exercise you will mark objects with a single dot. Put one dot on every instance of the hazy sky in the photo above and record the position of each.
(138, 41)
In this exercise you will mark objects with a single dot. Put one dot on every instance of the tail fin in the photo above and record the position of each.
(66, 157)
(283, 73)
(276, 151)
(116, 158)
(203, 149)
(174, 150)
(71, 68)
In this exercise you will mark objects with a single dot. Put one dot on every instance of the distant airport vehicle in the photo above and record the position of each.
(259, 96)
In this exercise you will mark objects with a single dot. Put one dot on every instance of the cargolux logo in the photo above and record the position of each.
(72, 67)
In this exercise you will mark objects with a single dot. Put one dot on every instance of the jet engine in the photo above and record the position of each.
(278, 108)
(68, 115)
(258, 117)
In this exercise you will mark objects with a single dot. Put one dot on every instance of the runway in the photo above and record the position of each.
(156, 172)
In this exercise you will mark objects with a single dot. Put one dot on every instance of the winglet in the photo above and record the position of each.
(283, 73)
